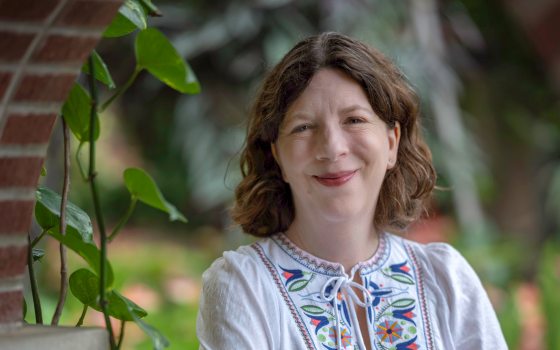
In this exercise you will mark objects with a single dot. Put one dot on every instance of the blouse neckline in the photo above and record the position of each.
(330, 268)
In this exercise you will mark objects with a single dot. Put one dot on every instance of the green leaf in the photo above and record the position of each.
(84, 285)
(402, 279)
(101, 71)
(87, 250)
(47, 213)
(134, 12)
(122, 308)
(76, 112)
(120, 26)
(298, 285)
(142, 187)
(37, 254)
(312, 309)
(402, 303)
(158, 340)
(150, 8)
(78, 230)
(43, 171)
(156, 54)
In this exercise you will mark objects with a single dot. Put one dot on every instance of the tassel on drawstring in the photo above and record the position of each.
(343, 283)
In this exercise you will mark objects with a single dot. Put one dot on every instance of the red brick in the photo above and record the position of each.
(26, 10)
(20, 172)
(15, 216)
(13, 261)
(60, 48)
(28, 129)
(4, 82)
(13, 45)
(545, 33)
(11, 307)
(52, 88)
(88, 13)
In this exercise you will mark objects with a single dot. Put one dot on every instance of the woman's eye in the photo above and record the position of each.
(301, 128)
(354, 120)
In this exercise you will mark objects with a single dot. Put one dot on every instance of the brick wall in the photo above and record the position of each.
(43, 44)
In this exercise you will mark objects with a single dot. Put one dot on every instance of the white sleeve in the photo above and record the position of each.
(231, 313)
(467, 315)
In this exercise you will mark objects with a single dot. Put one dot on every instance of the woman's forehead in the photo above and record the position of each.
(329, 91)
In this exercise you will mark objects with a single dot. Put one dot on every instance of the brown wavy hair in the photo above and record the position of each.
(263, 201)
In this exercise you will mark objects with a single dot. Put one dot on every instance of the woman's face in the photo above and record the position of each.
(334, 150)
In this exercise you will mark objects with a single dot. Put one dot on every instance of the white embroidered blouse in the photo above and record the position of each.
(273, 295)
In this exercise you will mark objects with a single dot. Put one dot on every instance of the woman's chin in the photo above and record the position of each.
(340, 212)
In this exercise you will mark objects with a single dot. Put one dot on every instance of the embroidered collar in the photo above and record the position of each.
(321, 296)
(329, 268)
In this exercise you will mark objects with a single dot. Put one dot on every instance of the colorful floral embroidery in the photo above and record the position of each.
(395, 319)
(296, 280)
(344, 336)
(388, 331)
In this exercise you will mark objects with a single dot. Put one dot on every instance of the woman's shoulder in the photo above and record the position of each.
(440, 264)
(242, 262)
(436, 255)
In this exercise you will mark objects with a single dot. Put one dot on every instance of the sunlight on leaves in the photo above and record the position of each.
(134, 12)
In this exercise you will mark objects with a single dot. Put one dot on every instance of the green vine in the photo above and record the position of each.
(70, 225)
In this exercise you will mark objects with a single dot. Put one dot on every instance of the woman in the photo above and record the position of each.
(333, 161)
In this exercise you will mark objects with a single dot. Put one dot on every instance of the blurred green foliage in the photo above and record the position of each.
(190, 145)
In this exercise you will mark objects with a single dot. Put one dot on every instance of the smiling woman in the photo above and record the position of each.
(333, 163)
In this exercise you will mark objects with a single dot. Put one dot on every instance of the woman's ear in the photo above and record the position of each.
(394, 137)
(274, 154)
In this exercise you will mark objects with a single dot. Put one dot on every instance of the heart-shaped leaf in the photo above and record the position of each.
(157, 55)
(120, 26)
(101, 71)
(76, 112)
(84, 285)
(122, 308)
(142, 187)
(47, 214)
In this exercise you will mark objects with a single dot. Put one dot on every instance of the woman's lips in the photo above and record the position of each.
(335, 179)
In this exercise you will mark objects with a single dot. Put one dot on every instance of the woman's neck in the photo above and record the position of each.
(347, 242)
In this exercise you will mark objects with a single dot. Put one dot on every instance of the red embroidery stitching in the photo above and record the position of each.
(422, 297)
(285, 296)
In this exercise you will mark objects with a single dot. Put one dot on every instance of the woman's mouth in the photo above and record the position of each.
(335, 179)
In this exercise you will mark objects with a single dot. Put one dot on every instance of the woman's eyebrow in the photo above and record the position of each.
(297, 115)
(354, 108)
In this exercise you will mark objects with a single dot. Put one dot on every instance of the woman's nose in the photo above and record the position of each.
(331, 144)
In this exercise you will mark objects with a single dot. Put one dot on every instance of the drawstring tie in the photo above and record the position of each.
(343, 283)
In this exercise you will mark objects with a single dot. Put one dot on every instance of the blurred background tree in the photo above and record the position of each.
(490, 100)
